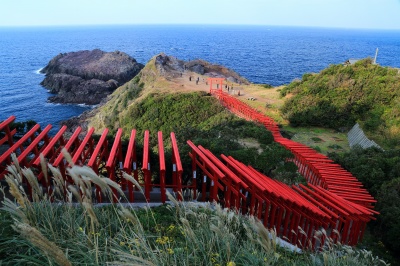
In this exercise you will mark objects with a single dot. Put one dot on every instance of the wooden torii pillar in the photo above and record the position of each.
(218, 81)
(130, 163)
(146, 165)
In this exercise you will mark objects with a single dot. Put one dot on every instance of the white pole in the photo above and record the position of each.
(376, 55)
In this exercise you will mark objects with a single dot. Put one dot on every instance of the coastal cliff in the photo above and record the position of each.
(171, 66)
(163, 75)
(88, 76)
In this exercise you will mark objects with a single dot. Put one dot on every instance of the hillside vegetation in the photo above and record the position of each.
(379, 171)
(143, 98)
(153, 101)
(339, 96)
(176, 234)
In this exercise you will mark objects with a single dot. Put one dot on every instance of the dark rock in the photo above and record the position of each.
(197, 68)
(72, 89)
(216, 71)
(171, 66)
(88, 76)
(168, 65)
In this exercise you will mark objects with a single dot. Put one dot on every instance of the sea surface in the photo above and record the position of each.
(262, 54)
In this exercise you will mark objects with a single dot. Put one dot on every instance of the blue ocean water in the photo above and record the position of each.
(262, 54)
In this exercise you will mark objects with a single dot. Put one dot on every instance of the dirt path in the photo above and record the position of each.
(187, 82)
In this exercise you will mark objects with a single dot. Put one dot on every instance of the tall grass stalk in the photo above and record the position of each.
(65, 227)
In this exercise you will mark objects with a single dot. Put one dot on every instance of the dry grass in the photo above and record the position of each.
(197, 234)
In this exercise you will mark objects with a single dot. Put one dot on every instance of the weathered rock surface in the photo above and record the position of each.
(216, 71)
(161, 65)
(88, 76)
(171, 66)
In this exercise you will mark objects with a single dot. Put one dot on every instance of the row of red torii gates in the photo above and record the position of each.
(333, 200)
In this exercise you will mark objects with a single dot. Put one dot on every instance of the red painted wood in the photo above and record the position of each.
(130, 164)
(22, 157)
(115, 161)
(50, 149)
(67, 146)
(79, 154)
(161, 156)
(177, 165)
(9, 136)
(334, 198)
(146, 165)
(101, 148)
(316, 168)
(7, 122)
(5, 158)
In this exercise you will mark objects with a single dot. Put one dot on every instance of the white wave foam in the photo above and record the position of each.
(38, 71)
(48, 103)
(83, 105)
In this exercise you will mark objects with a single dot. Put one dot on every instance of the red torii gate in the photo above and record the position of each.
(130, 164)
(218, 81)
(288, 209)
(4, 126)
(282, 207)
(317, 169)
(98, 156)
(305, 156)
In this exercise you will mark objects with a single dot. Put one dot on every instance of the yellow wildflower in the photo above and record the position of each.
(170, 251)
(170, 228)
(163, 240)
(213, 257)
(137, 242)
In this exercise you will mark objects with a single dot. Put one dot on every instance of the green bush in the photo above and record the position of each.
(267, 86)
(379, 171)
(341, 95)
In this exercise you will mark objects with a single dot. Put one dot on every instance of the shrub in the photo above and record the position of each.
(341, 95)
(379, 171)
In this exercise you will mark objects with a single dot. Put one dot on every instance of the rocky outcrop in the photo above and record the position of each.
(171, 66)
(215, 71)
(88, 76)
(162, 71)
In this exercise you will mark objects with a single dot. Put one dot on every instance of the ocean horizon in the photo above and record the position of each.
(274, 55)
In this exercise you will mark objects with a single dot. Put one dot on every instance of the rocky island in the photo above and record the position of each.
(87, 77)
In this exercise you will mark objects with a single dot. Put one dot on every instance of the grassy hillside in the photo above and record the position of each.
(172, 111)
(153, 101)
(337, 98)
(340, 96)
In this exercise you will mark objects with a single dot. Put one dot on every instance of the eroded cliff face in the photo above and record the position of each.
(168, 65)
(88, 76)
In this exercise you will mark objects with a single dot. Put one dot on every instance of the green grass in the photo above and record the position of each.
(327, 140)
(339, 96)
